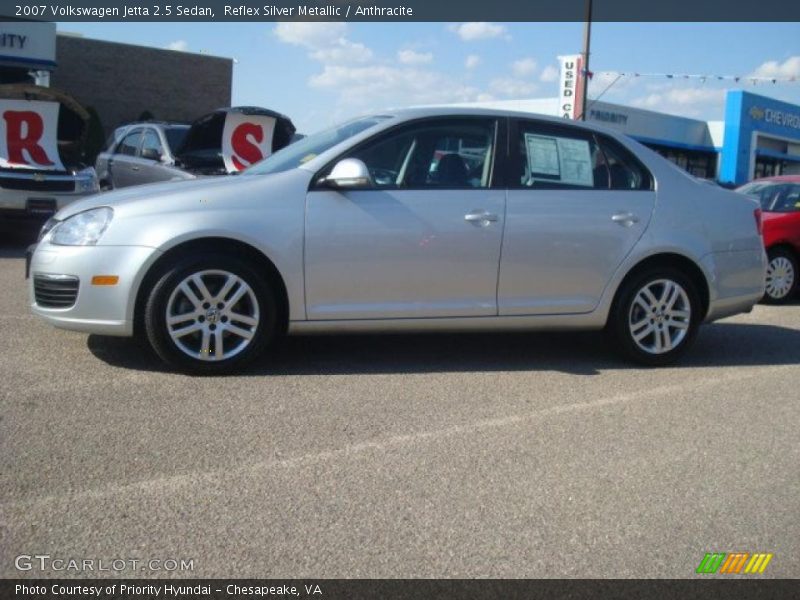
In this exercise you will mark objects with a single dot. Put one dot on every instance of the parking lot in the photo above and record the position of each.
(536, 455)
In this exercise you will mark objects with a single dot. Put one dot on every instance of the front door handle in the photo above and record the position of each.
(480, 217)
(626, 219)
(134, 168)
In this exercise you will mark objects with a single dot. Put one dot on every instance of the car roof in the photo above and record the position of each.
(780, 179)
(456, 110)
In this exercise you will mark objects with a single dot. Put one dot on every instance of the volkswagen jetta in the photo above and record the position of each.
(421, 219)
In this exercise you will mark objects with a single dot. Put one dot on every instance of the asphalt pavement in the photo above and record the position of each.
(525, 455)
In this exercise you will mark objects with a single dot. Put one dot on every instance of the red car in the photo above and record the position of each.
(780, 203)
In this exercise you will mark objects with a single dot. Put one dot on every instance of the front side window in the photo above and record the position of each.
(450, 153)
(130, 143)
(151, 145)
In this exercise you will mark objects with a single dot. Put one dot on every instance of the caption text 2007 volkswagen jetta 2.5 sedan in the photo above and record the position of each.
(414, 220)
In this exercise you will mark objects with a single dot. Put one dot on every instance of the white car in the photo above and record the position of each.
(414, 220)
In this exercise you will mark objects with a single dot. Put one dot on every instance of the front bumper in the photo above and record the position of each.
(25, 205)
(101, 309)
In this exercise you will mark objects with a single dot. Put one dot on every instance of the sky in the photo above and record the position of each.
(322, 73)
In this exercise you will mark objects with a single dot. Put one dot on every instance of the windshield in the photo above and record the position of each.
(310, 147)
(176, 135)
(774, 197)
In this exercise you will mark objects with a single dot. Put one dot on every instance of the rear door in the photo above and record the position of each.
(577, 204)
(123, 166)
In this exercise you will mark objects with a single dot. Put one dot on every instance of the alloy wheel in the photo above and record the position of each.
(212, 315)
(659, 316)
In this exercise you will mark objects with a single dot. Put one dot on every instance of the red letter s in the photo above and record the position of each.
(243, 147)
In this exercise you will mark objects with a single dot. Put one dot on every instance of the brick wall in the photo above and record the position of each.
(121, 80)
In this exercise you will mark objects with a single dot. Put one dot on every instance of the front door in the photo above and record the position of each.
(422, 240)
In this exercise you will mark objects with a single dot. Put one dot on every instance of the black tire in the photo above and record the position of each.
(155, 314)
(787, 255)
(620, 329)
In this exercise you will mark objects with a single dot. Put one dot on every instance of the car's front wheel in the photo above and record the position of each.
(210, 314)
(656, 316)
(781, 276)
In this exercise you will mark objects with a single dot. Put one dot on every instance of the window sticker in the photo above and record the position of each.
(542, 155)
(559, 160)
(576, 162)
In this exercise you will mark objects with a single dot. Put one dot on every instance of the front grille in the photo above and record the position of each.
(32, 185)
(55, 291)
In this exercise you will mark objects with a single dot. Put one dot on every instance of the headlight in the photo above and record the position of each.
(48, 225)
(87, 182)
(83, 229)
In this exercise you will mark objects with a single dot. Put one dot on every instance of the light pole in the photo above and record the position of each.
(587, 37)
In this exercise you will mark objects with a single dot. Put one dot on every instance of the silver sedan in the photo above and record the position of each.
(413, 220)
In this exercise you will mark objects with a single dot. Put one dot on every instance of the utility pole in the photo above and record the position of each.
(587, 37)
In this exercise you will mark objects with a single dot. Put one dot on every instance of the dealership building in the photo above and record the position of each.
(759, 137)
(120, 81)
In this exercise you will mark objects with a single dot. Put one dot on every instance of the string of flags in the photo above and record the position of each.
(736, 78)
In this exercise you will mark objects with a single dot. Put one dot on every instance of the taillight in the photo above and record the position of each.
(757, 215)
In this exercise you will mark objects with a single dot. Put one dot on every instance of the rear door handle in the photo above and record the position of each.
(626, 219)
(134, 168)
(480, 217)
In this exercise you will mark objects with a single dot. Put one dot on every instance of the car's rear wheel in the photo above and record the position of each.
(656, 316)
(781, 276)
(210, 314)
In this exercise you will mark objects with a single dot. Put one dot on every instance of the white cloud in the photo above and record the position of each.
(512, 88)
(472, 61)
(470, 32)
(179, 45)
(524, 67)
(690, 102)
(549, 73)
(772, 68)
(369, 87)
(410, 57)
(310, 35)
(326, 42)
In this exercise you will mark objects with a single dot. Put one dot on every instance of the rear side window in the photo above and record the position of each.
(624, 171)
(130, 143)
(554, 157)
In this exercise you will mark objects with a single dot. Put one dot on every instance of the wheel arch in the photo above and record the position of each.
(217, 244)
(784, 245)
(671, 260)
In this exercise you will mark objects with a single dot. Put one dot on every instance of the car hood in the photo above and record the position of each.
(176, 196)
(201, 149)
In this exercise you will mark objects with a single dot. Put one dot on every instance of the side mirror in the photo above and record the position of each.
(151, 154)
(349, 173)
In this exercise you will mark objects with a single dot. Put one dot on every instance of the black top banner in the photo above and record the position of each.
(402, 10)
